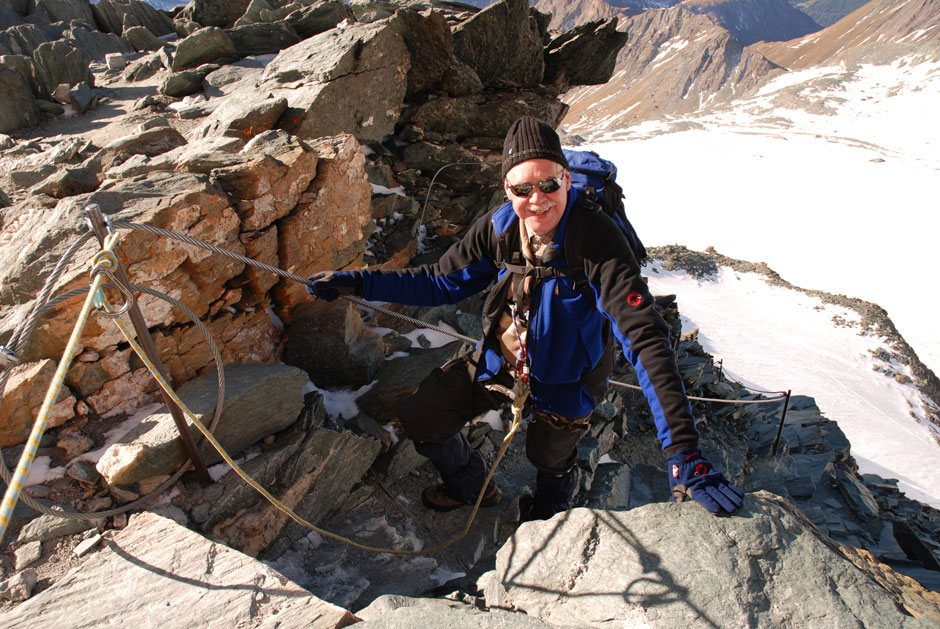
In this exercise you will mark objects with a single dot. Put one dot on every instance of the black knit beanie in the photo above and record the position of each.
(531, 138)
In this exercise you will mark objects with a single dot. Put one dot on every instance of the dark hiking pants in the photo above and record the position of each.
(449, 398)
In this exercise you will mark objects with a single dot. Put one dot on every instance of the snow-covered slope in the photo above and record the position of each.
(829, 176)
(775, 338)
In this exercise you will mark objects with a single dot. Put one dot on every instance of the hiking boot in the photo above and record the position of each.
(435, 497)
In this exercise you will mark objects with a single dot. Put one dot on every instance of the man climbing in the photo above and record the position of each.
(543, 316)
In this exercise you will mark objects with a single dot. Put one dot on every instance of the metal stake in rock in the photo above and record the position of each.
(96, 219)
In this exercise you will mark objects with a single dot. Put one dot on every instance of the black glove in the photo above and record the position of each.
(691, 475)
(329, 285)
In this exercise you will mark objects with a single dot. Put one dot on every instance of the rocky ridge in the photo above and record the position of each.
(251, 174)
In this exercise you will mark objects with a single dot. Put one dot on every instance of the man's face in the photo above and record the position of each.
(540, 211)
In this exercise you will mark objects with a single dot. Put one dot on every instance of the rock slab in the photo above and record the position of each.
(670, 565)
(158, 573)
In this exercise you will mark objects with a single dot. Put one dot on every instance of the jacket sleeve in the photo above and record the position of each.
(464, 270)
(623, 297)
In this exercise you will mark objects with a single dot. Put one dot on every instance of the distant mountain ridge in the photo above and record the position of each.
(756, 20)
(679, 61)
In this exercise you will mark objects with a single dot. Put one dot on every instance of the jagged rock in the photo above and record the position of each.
(27, 555)
(310, 468)
(145, 67)
(329, 81)
(65, 10)
(259, 401)
(585, 55)
(21, 40)
(152, 567)
(184, 82)
(141, 39)
(47, 527)
(481, 119)
(328, 341)
(398, 379)
(219, 13)
(18, 107)
(331, 222)
(233, 77)
(97, 44)
(68, 182)
(262, 39)
(112, 15)
(503, 44)
(767, 565)
(430, 44)
(27, 69)
(318, 17)
(203, 46)
(82, 98)
(61, 62)
(115, 61)
(252, 14)
(19, 587)
(8, 15)
(5, 200)
(149, 142)
(459, 79)
(273, 173)
(23, 397)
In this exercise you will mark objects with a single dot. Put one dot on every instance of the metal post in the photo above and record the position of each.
(721, 366)
(783, 417)
(93, 213)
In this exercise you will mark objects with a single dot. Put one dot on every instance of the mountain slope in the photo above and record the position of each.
(827, 12)
(912, 23)
(675, 62)
(756, 20)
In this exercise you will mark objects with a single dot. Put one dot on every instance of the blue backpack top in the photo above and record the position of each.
(596, 178)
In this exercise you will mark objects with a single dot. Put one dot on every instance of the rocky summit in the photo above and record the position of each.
(316, 135)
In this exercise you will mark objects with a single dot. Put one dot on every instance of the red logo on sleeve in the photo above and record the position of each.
(634, 299)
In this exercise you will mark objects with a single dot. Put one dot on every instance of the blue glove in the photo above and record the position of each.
(691, 475)
(329, 285)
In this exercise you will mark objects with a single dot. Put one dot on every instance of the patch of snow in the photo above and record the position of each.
(113, 435)
(378, 189)
(341, 404)
(435, 338)
(275, 320)
(442, 575)
(41, 471)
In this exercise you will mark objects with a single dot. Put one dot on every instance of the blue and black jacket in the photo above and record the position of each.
(570, 321)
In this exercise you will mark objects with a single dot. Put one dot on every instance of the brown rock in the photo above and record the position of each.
(328, 229)
(23, 398)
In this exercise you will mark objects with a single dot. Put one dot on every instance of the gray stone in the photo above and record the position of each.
(65, 10)
(82, 98)
(18, 588)
(259, 401)
(87, 545)
(113, 15)
(318, 17)
(330, 343)
(398, 379)
(430, 45)
(585, 55)
(141, 39)
(67, 182)
(27, 555)
(183, 83)
(115, 61)
(221, 13)
(231, 77)
(677, 565)
(97, 44)
(610, 488)
(262, 39)
(61, 62)
(144, 68)
(332, 82)
(146, 573)
(151, 142)
(459, 79)
(503, 44)
(310, 469)
(27, 69)
(18, 106)
(204, 46)
(47, 527)
(21, 40)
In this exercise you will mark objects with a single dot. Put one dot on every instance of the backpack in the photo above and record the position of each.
(596, 178)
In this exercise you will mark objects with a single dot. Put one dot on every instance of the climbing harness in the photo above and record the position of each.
(105, 265)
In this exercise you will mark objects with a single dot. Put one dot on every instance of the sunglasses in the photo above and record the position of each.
(525, 189)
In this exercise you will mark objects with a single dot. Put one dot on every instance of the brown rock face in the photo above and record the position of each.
(330, 224)
(23, 398)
